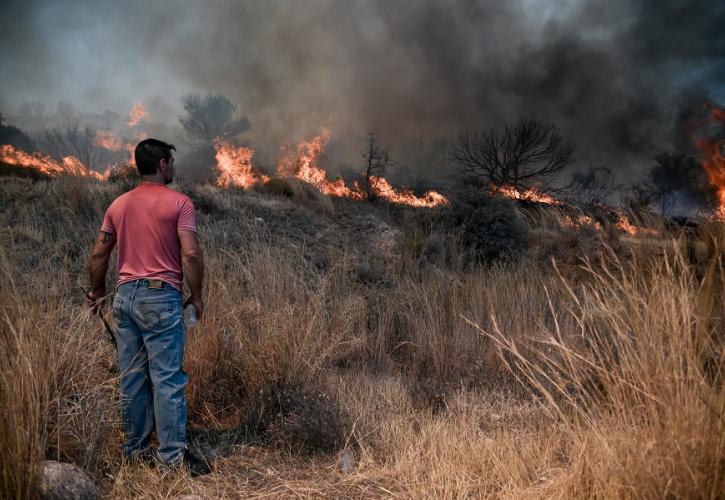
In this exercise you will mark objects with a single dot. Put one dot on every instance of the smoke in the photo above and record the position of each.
(611, 74)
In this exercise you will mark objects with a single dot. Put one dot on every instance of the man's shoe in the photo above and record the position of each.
(197, 466)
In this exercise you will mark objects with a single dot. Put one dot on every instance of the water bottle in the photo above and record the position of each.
(191, 319)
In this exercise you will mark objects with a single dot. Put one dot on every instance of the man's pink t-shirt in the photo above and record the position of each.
(145, 221)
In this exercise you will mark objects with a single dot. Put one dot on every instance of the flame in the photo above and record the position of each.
(383, 189)
(713, 160)
(105, 139)
(46, 165)
(623, 224)
(582, 220)
(137, 115)
(531, 194)
(302, 163)
(235, 166)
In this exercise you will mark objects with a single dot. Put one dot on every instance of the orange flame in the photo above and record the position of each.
(623, 224)
(713, 161)
(105, 139)
(46, 165)
(531, 194)
(383, 189)
(235, 166)
(582, 220)
(137, 115)
(302, 163)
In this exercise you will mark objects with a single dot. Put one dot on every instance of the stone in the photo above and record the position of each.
(346, 461)
(63, 481)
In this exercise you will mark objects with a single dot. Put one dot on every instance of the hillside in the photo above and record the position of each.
(364, 350)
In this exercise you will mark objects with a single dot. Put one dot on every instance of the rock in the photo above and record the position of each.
(346, 461)
(62, 481)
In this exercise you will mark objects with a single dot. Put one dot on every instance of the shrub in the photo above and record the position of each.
(309, 420)
(491, 228)
(301, 191)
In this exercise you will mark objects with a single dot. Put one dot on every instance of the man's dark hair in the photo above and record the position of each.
(149, 153)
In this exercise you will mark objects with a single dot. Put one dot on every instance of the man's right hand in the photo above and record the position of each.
(95, 299)
(198, 303)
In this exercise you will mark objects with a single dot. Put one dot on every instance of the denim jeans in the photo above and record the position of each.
(150, 337)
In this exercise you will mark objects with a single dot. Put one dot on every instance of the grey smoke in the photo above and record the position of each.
(611, 74)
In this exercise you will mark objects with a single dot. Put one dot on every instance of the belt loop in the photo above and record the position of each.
(135, 288)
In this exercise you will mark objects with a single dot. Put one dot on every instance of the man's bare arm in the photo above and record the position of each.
(100, 255)
(192, 261)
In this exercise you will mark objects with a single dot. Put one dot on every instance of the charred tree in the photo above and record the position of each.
(520, 155)
(640, 196)
(377, 161)
(72, 139)
(592, 186)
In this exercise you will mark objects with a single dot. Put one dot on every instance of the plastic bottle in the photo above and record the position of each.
(191, 319)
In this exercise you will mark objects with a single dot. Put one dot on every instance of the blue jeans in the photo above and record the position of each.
(150, 337)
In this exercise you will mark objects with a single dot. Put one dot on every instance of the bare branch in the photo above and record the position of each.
(521, 154)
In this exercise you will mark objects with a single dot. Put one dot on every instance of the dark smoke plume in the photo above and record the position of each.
(611, 74)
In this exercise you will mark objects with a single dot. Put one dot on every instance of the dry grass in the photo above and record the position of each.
(599, 380)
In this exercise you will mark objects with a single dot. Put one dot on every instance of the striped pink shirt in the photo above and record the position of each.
(145, 221)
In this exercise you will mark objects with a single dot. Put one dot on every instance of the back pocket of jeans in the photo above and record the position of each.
(159, 314)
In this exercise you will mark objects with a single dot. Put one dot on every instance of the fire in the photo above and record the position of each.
(137, 115)
(235, 166)
(713, 160)
(582, 220)
(105, 139)
(46, 165)
(383, 189)
(531, 194)
(623, 224)
(302, 163)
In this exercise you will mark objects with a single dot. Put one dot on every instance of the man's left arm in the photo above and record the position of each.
(98, 267)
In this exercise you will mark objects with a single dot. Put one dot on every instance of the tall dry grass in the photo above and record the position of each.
(638, 391)
(603, 380)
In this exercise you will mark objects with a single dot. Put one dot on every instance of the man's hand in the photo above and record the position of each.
(95, 299)
(197, 302)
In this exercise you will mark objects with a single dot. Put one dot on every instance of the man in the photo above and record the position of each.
(155, 228)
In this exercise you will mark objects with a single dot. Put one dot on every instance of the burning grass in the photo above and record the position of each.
(599, 378)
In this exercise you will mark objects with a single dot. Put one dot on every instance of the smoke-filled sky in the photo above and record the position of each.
(614, 75)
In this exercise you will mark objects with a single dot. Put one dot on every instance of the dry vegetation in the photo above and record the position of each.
(329, 332)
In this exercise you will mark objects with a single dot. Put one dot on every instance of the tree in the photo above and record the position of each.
(519, 155)
(592, 186)
(74, 140)
(640, 196)
(211, 117)
(377, 161)
(678, 173)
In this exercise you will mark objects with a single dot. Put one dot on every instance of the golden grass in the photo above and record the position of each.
(514, 381)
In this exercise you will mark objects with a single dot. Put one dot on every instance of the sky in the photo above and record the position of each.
(617, 77)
